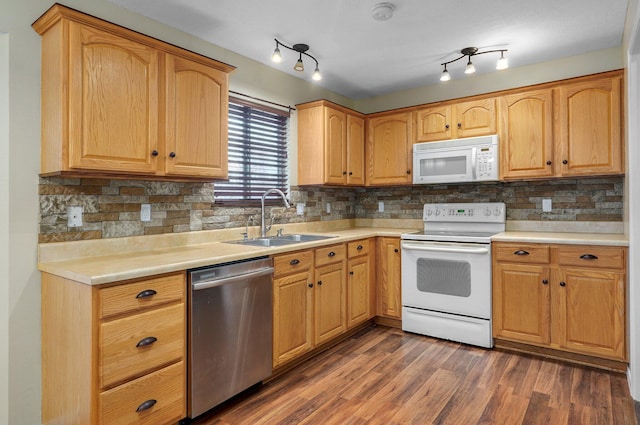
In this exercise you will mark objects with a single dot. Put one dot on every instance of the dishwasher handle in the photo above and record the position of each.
(433, 248)
(231, 279)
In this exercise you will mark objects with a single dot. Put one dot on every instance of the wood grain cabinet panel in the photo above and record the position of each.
(389, 149)
(455, 120)
(360, 275)
(388, 278)
(118, 103)
(330, 144)
(572, 300)
(330, 301)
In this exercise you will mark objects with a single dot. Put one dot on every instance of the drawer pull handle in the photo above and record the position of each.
(359, 248)
(294, 262)
(521, 252)
(332, 254)
(146, 293)
(588, 257)
(146, 405)
(146, 341)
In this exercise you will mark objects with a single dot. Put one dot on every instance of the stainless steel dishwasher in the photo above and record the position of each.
(230, 330)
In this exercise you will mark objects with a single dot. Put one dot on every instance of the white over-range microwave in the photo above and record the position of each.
(455, 161)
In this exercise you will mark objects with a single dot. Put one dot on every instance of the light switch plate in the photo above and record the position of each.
(546, 205)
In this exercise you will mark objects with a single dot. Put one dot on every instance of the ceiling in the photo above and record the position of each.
(360, 57)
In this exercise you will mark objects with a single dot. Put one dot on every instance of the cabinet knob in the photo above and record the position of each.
(331, 254)
(172, 154)
(294, 262)
(344, 173)
(310, 285)
(545, 281)
(359, 247)
(319, 283)
(564, 161)
(154, 153)
(408, 171)
(563, 284)
(146, 293)
(446, 127)
(548, 162)
(521, 252)
(145, 342)
(395, 250)
(146, 405)
(351, 273)
(351, 173)
(588, 257)
(459, 125)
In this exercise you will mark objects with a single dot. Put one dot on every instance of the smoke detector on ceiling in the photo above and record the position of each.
(382, 11)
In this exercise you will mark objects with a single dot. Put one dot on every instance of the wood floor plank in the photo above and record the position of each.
(388, 377)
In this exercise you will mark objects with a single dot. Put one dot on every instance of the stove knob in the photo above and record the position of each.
(437, 212)
(487, 212)
(429, 211)
(496, 212)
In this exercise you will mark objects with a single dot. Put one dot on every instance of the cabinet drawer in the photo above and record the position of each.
(127, 348)
(292, 263)
(521, 253)
(591, 256)
(330, 254)
(165, 386)
(356, 248)
(140, 295)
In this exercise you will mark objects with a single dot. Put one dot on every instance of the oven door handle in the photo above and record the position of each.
(434, 248)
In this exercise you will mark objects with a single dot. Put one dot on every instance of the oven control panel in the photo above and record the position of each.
(491, 212)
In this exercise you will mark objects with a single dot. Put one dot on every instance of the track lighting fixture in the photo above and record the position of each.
(299, 66)
(470, 69)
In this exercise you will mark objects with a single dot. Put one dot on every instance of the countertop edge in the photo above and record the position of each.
(607, 239)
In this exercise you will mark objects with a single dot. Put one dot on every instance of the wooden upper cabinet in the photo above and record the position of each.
(451, 121)
(197, 107)
(330, 144)
(104, 93)
(526, 134)
(589, 127)
(389, 149)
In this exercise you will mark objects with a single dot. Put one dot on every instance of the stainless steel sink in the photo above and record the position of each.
(280, 240)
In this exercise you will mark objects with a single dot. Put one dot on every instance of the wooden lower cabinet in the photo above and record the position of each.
(114, 354)
(389, 300)
(565, 297)
(360, 293)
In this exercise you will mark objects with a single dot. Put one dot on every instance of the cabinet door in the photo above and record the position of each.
(475, 118)
(388, 278)
(521, 302)
(196, 119)
(335, 144)
(358, 290)
(292, 316)
(591, 312)
(433, 124)
(330, 302)
(589, 127)
(355, 150)
(113, 102)
(526, 137)
(389, 149)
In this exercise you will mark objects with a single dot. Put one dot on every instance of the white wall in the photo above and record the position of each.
(19, 161)
(632, 205)
(4, 228)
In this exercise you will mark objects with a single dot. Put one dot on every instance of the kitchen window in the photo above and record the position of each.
(258, 160)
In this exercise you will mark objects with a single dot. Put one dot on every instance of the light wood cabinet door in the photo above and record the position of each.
(521, 302)
(113, 103)
(335, 145)
(330, 302)
(589, 127)
(389, 149)
(475, 118)
(526, 135)
(591, 311)
(359, 278)
(197, 105)
(433, 123)
(388, 278)
(355, 151)
(292, 316)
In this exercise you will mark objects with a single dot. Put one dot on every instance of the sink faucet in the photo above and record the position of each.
(263, 227)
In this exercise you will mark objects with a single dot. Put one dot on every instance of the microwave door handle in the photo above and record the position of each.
(474, 153)
(432, 248)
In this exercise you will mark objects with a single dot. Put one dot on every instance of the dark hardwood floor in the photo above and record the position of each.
(385, 376)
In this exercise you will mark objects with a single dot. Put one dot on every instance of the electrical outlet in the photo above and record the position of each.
(380, 206)
(145, 212)
(546, 205)
(300, 208)
(328, 208)
(74, 217)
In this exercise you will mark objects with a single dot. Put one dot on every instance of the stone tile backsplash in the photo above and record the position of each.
(112, 207)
